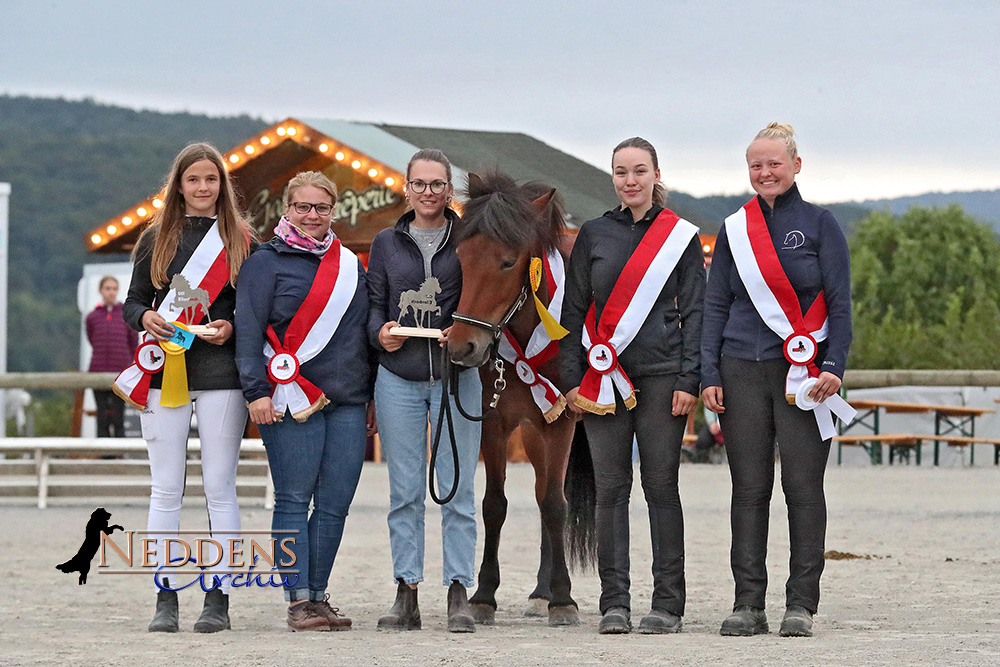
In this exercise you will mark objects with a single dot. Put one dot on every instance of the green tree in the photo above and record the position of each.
(926, 290)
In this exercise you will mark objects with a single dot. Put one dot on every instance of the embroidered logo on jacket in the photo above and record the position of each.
(794, 239)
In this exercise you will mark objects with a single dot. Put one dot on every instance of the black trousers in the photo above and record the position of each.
(110, 414)
(757, 415)
(659, 435)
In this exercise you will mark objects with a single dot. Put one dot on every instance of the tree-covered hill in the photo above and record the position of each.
(72, 165)
(982, 204)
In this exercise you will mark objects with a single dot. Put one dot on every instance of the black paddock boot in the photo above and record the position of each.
(459, 613)
(798, 622)
(404, 614)
(215, 614)
(744, 622)
(660, 622)
(615, 621)
(165, 618)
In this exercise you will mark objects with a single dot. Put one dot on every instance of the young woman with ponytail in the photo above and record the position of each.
(633, 303)
(198, 235)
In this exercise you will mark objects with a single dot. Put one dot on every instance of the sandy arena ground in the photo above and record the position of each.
(930, 594)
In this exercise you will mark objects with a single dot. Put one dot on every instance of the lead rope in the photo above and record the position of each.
(450, 387)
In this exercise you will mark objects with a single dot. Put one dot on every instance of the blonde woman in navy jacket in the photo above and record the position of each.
(744, 370)
(315, 449)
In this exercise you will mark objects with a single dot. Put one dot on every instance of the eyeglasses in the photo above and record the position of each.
(303, 208)
(437, 187)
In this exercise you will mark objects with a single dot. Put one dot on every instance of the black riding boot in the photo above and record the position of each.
(459, 613)
(165, 618)
(215, 614)
(404, 614)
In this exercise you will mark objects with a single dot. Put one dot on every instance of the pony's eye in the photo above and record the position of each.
(508, 264)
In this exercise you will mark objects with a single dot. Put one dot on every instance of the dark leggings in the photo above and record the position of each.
(757, 415)
(110, 414)
(659, 435)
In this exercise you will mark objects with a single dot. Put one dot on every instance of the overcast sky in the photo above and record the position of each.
(887, 97)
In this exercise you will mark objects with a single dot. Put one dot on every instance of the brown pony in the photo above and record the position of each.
(505, 225)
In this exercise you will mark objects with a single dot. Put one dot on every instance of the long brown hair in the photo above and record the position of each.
(659, 190)
(168, 221)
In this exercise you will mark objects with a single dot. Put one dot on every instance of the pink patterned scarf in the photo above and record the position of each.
(297, 238)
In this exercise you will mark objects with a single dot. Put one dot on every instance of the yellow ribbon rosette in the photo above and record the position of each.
(174, 388)
(554, 330)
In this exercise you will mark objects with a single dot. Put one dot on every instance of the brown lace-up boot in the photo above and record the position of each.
(332, 615)
(303, 617)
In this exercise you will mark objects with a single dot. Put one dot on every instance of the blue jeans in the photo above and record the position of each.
(402, 408)
(320, 461)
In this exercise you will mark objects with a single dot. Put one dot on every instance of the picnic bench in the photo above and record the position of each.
(69, 464)
(954, 425)
(901, 444)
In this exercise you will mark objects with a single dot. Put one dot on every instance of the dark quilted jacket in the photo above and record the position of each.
(395, 265)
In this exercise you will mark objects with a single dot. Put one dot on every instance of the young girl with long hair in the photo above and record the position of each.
(185, 268)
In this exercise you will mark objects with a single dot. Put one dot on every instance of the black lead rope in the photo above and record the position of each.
(449, 387)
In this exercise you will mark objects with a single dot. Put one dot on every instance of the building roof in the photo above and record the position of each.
(586, 189)
(380, 153)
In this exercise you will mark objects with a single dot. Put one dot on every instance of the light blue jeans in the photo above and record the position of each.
(403, 408)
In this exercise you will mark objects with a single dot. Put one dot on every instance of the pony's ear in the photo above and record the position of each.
(543, 201)
(476, 185)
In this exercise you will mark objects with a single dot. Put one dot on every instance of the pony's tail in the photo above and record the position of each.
(581, 495)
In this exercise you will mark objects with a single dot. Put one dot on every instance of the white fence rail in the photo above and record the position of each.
(49, 464)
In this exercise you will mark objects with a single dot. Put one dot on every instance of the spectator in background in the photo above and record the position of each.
(114, 344)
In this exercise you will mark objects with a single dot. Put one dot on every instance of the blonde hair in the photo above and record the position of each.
(307, 179)
(169, 219)
(659, 190)
(782, 132)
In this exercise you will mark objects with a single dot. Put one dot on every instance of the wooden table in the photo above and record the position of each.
(959, 420)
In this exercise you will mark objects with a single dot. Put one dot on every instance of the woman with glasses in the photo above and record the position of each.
(303, 356)
(417, 256)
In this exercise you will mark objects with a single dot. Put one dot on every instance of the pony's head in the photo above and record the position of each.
(503, 226)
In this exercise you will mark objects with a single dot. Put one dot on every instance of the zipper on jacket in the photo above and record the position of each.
(430, 347)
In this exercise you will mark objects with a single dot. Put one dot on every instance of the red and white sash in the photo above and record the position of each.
(207, 269)
(540, 348)
(309, 332)
(778, 305)
(632, 297)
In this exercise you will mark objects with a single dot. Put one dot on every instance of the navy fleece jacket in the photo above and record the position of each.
(813, 252)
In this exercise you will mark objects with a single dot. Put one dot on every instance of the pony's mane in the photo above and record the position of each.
(503, 211)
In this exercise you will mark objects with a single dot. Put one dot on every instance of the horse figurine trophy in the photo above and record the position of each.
(421, 304)
(189, 298)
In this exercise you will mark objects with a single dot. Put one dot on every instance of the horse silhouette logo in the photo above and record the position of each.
(801, 347)
(421, 303)
(602, 356)
(97, 524)
(794, 239)
(284, 365)
(189, 298)
(153, 359)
